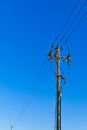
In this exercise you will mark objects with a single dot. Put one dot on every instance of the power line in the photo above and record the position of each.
(41, 75)
(67, 19)
(65, 43)
(29, 99)
(73, 20)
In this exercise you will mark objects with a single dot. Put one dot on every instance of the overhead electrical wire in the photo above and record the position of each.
(75, 27)
(28, 99)
(65, 43)
(70, 26)
(42, 73)
(24, 109)
(67, 19)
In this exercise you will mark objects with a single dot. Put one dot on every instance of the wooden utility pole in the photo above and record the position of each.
(55, 54)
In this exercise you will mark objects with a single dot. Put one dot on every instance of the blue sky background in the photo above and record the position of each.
(27, 28)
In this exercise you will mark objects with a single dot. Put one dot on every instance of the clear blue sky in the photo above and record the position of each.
(27, 28)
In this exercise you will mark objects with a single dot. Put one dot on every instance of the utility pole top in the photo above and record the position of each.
(54, 54)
